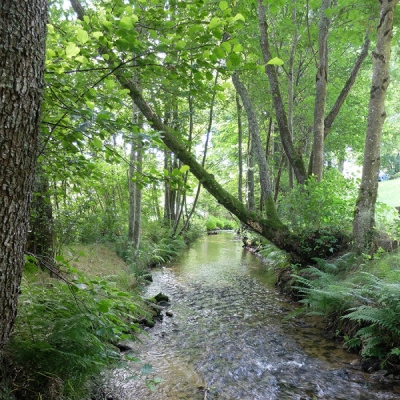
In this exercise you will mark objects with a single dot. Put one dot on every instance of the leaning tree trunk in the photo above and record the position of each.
(22, 49)
(272, 228)
(364, 216)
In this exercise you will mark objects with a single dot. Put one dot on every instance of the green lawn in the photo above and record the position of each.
(389, 192)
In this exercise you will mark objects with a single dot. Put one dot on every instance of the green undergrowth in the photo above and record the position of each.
(359, 299)
(70, 322)
(66, 332)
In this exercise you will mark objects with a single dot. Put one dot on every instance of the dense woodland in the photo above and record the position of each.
(141, 122)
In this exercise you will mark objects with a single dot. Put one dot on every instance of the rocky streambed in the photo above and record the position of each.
(223, 335)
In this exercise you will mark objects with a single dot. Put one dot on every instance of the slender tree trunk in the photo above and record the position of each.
(240, 154)
(22, 49)
(333, 113)
(250, 199)
(321, 91)
(203, 162)
(265, 180)
(294, 157)
(364, 215)
(41, 235)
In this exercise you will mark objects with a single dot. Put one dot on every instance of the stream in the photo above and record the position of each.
(227, 338)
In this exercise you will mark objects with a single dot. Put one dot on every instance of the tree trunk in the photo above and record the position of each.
(22, 46)
(321, 90)
(250, 199)
(294, 157)
(267, 192)
(364, 215)
(41, 235)
(240, 154)
(333, 113)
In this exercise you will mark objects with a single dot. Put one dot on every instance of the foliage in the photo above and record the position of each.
(325, 205)
(324, 291)
(213, 223)
(363, 305)
(379, 334)
(65, 333)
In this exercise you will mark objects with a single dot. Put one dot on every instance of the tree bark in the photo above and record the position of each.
(22, 46)
(267, 192)
(41, 234)
(294, 157)
(333, 113)
(321, 91)
(364, 215)
(240, 153)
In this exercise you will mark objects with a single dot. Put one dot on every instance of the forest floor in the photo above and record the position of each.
(95, 259)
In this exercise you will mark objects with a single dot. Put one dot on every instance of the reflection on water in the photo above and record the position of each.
(227, 334)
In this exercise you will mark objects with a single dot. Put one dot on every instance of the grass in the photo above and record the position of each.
(388, 192)
(95, 260)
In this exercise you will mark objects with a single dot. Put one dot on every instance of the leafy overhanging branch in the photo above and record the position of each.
(272, 229)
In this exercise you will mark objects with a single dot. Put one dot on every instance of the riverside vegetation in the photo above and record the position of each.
(357, 296)
(73, 318)
(70, 324)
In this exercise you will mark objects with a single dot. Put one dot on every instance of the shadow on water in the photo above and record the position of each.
(227, 338)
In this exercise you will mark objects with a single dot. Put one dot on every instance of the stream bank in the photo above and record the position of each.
(227, 338)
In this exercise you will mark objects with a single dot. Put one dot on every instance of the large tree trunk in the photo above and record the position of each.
(364, 215)
(22, 49)
(294, 157)
(321, 90)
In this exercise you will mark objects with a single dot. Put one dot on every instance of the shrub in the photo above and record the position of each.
(326, 205)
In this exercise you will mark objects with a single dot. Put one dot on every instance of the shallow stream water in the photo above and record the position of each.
(228, 338)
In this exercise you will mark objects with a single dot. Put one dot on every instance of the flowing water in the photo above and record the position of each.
(227, 338)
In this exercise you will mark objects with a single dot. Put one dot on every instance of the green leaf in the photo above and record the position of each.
(180, 44)
(82, 36)
(238, 48)
(97, 143)
(275, 61)
(214, 23)
(97, 34)
(209, 76)
(128, 21)
(72, 50)
(103, 305)
(184, 168)
(223, 5)
(238, 17)
(82, 59)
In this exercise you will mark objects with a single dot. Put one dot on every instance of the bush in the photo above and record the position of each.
(326, 205)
